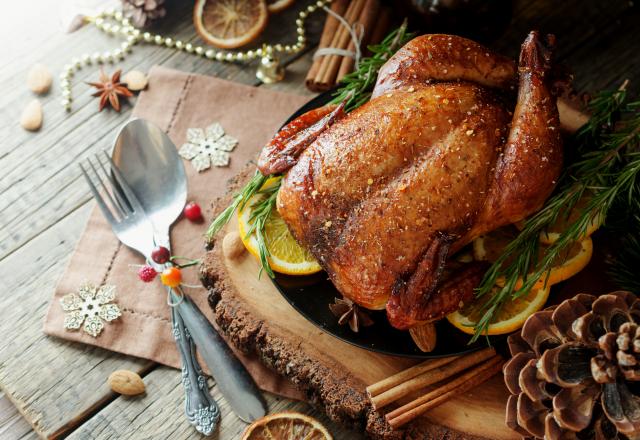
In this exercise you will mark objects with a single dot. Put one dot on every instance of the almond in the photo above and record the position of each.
(232, 245)
(39, 79)
(31, 118)
(135, 80)
(126, 382)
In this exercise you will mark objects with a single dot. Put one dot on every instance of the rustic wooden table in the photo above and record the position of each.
(52, 388)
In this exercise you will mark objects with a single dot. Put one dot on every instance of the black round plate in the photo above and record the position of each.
(311, 296)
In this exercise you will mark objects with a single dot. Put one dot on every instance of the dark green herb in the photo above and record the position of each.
(607, 166)
(356, 87)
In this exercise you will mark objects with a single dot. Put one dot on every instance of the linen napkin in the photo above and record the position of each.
(176, 102)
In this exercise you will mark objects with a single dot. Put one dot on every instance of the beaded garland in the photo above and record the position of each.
(114, 23)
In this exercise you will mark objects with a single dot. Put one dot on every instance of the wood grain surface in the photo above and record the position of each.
(60, 387)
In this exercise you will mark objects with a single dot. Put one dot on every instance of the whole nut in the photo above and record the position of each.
(135, 80)
(126, 382)
(31, 118)
(232, 245)
(39, 79)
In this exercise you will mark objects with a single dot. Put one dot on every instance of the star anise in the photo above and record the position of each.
(349, 312)
(110, 90)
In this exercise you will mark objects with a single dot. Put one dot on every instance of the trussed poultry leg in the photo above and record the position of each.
(410, 295)
(435, 302)
(527, 170)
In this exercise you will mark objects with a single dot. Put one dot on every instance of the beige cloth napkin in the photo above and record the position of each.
(175, 101)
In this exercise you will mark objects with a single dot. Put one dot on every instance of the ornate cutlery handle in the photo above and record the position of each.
(235, 383)
(200, 408)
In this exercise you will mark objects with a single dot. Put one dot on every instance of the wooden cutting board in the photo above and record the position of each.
(332, 373)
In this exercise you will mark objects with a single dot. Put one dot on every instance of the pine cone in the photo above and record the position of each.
(575, 370)
(143, 12)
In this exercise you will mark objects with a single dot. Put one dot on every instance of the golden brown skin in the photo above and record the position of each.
(384, 195)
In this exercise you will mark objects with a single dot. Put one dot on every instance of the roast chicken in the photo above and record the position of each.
(384, 195)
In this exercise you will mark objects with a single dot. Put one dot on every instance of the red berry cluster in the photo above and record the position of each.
(147, 273)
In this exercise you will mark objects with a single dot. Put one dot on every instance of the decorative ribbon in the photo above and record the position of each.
(356, 32)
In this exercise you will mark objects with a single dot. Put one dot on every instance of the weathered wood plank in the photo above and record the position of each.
(85, 131)
(38, 227)
(595, 40)
(73, 386)
(49, 380)
(158, 414)
(12, 425)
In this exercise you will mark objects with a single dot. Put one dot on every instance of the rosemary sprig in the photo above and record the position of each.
(239, 200)
(356, 89)
(258, 219)
(357, 86)
(608, 166)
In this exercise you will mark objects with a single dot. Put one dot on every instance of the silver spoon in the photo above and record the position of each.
(151, 165)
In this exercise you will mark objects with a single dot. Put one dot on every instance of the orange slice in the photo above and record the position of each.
(553, 232)
(229, 23)
(286, 426)
(508, 319)
(571, 261)
(278, 5)
(287, 256)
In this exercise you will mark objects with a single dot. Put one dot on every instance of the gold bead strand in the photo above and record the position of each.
(114, 23)
(111, 22)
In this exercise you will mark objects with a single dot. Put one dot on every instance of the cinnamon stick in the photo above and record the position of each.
(403, 376)
(326, 77)
(461, 384)
(431, 377)
(324, 60)
(380, 29)
(328, 31)
(366, 19)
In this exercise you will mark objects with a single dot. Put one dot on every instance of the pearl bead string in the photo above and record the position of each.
(114, 23)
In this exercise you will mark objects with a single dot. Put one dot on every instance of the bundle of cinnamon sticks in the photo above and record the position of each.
(368, 15)
(441, 379)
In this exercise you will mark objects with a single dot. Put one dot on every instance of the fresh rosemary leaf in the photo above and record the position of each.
(261, 211)
(356, 87)
(607, 166)
(239, 200)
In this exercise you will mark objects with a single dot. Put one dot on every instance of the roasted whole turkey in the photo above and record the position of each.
(383, 195)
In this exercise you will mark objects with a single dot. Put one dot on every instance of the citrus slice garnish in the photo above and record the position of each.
(508, 319)
(229, 23)
(286, 426)
(287, 256)
(490, 246)
(278, 5)
(570, 261)
(552, 233)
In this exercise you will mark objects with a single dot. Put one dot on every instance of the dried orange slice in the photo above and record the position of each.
(229, 23)
(278, 5)
(286, 426)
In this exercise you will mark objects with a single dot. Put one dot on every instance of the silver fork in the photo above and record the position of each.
(133, 228)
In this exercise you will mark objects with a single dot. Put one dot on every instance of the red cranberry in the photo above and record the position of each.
(193, 212)
(160, 255)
